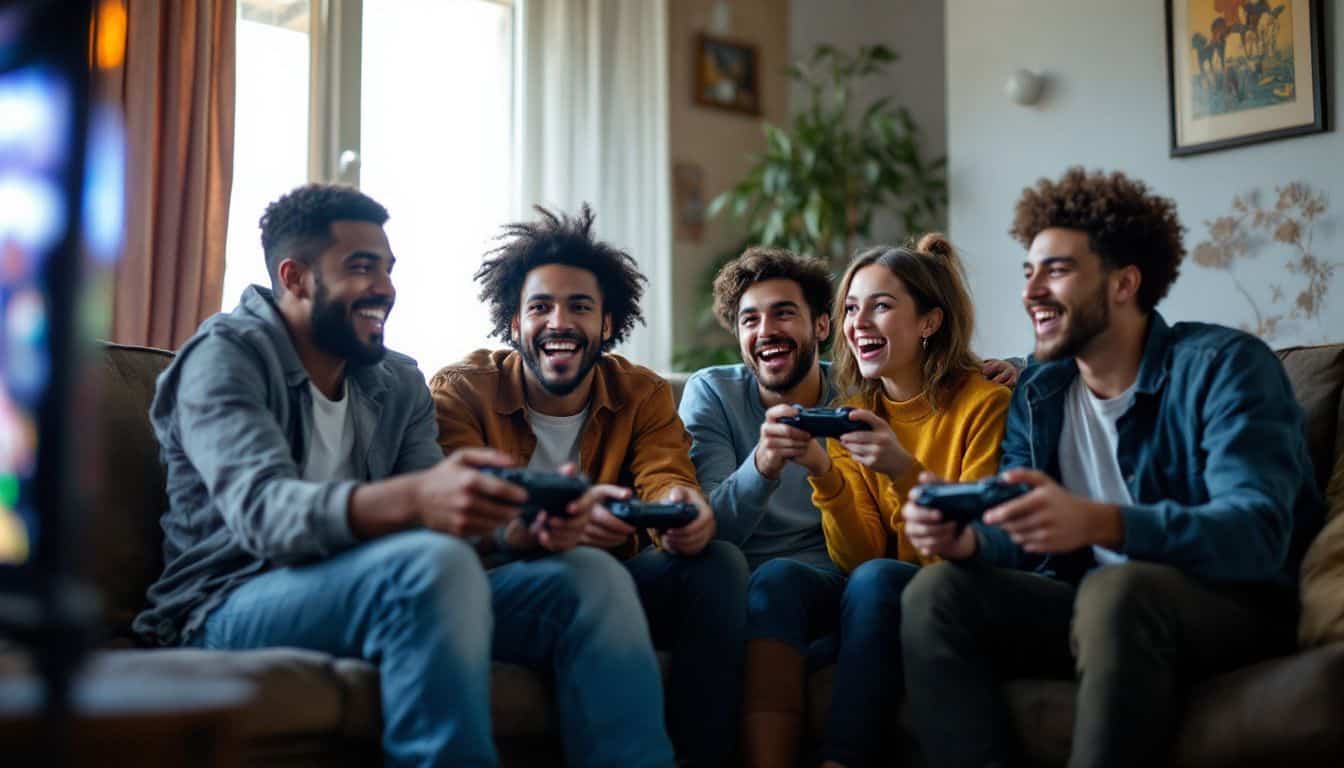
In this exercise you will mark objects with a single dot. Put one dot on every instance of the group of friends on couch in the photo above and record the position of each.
(322, 496)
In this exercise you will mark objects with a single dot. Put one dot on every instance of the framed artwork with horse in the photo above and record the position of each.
(1244, 71)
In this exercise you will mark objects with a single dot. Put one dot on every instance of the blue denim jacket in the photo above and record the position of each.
(1213, 451)
(232, 418)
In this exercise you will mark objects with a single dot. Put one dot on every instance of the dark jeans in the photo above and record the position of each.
(793, 602)
(868, 677)
(1136, 634)
(696, 608)
(857, 621)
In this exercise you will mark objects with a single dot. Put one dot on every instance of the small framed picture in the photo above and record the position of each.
(1244, 71)
(727, 75)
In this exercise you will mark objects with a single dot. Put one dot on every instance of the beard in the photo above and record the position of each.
(532, 355)
(1086, 321)
(334, 329)
(783, 382)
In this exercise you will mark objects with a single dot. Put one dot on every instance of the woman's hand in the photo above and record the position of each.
(876, 448)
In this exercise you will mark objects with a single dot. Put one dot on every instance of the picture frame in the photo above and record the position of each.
(727, 74)
(1242, 72)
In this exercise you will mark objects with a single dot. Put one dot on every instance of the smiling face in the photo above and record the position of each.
(560, 326)
(883, 325)
(1066, 294)
(353, 293)
(777, 335)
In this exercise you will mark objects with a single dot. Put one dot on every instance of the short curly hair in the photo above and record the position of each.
(567, 240)
(298, 225)
(1124, 222)
(760, 263)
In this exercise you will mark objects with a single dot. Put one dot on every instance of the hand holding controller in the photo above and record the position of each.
(551, 492)
(964, 503)
(825, 422)
(660, 517)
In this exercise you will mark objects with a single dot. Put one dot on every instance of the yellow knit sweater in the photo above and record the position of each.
(861, 508)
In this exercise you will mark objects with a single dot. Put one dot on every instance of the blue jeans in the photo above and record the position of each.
(696, 608)
(793, 602)
(420, 605)
(869, 679)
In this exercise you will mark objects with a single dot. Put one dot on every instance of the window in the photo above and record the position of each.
(433, 86)
(270, 149)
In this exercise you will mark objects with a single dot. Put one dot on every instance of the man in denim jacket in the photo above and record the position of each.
(310, 506)
(1171, 499)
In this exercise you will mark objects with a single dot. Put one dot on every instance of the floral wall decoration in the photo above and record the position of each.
(1290, 304)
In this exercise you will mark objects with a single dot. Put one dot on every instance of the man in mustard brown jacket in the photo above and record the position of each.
(559, 401)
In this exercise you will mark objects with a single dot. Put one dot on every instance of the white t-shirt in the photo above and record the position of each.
(1088, 462)
(557, 439)
(331, 439)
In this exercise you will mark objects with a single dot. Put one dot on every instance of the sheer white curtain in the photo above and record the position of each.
(590, 123)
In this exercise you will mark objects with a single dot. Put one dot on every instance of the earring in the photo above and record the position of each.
(924, 342)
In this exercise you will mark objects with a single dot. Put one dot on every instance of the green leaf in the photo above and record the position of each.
(717, 204)
(812, 214)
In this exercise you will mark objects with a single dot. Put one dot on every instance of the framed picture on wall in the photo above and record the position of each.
(727, 75)
(1244, 71)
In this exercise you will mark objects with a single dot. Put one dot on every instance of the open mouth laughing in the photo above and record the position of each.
(559, 350)
(1045, 319)
(869, 347)
(371, 318)
(775, 354)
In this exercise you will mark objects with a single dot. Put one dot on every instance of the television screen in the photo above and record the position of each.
(61, 190)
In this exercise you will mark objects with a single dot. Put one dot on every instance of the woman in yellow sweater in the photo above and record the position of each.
(910, 374)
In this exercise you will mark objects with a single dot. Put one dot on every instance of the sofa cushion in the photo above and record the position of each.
(123, 536)
(1317, 375)
(1279, 712)
(301, 693)
(1322, 586)
(298, 692)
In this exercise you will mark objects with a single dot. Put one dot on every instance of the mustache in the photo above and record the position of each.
(1045, 305)
(774, 341)
(370, 303)
(560, 336)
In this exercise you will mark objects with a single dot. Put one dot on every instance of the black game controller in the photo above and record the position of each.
(658, 516)
(964, 503)
(825, 422)
(548, 491)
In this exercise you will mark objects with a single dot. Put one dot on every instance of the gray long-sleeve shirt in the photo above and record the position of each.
(722, 409)
(232, 418)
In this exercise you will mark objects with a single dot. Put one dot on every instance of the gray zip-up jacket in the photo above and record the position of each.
(233, 415)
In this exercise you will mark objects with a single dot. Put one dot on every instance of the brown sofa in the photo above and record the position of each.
(312, 709)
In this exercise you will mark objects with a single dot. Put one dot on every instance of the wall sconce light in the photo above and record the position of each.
(1024, 87)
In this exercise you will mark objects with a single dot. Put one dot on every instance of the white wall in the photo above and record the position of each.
(1107, 108)
(914, 28)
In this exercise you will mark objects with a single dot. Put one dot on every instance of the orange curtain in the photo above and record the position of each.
(177, 88)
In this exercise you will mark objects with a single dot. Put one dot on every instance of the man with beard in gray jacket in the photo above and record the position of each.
(311, 506)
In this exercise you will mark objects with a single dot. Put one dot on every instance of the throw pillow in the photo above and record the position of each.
(1322, 619)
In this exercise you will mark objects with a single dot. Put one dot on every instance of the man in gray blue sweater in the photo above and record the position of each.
(754, 471)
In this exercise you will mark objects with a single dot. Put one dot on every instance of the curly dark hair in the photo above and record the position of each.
(567, 240)
(298, 225)
(760, 263)
(1124, 222)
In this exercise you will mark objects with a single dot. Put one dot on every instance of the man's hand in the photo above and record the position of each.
(1000, 372)
(930, 535)
(781, 443)
(602, 529)
(877, 448)
(453, 497)
(1050, 520)
(693, 536)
